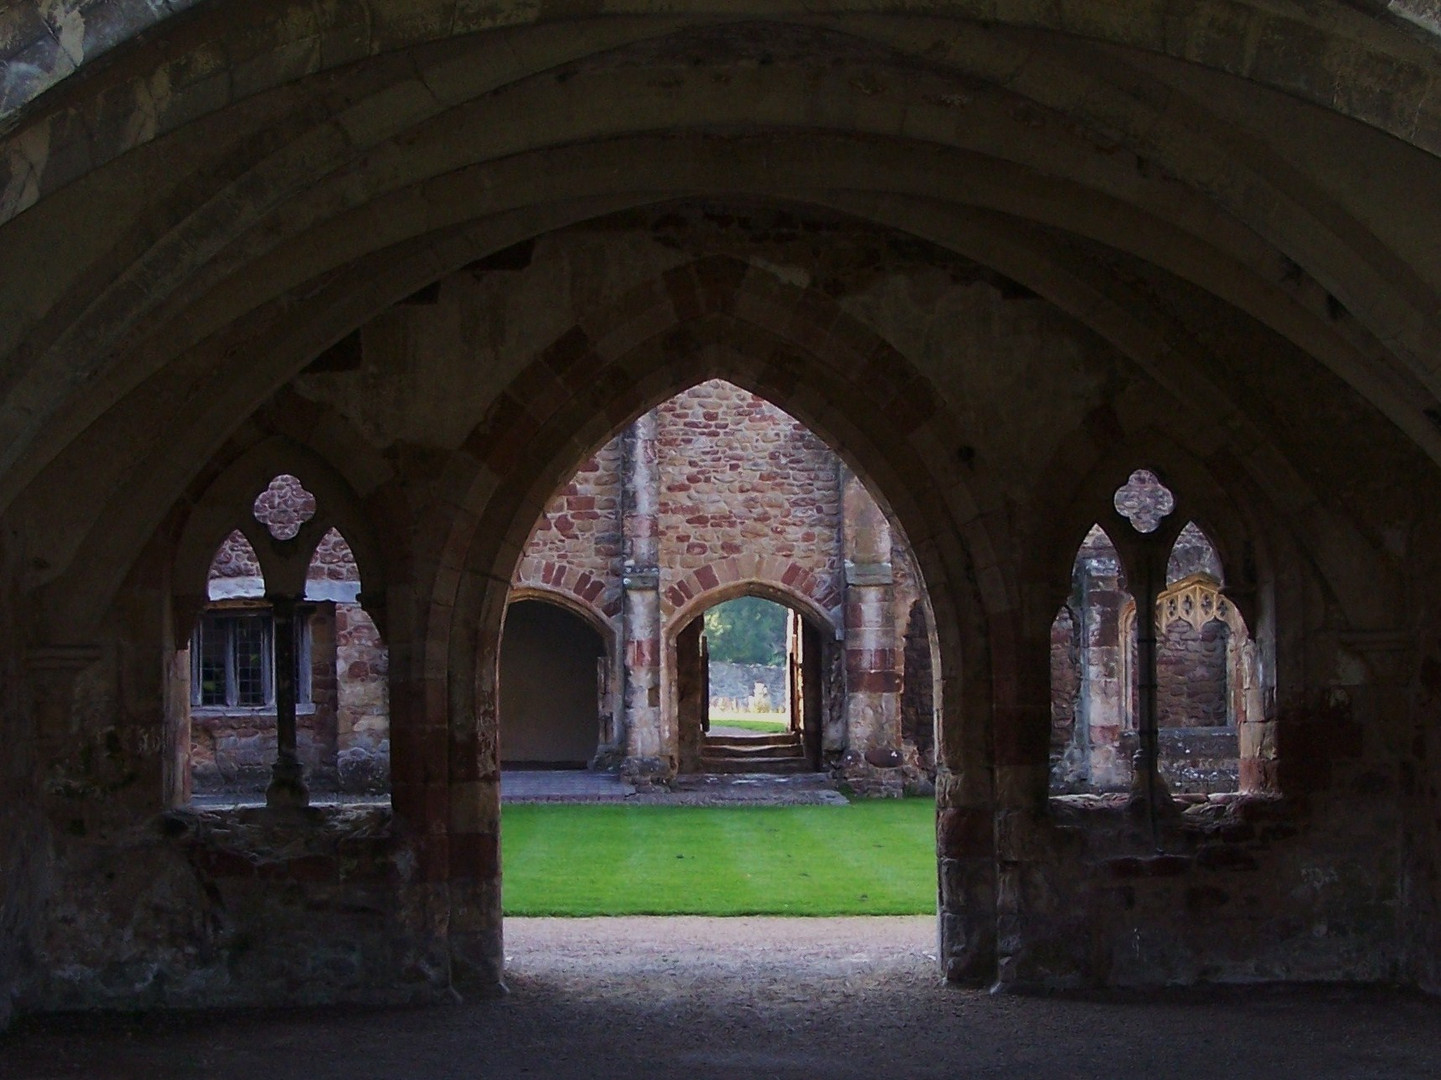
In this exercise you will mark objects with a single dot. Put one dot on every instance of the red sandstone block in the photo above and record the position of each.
(873, 682)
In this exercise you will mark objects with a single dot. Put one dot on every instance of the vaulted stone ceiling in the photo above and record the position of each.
(199, 199)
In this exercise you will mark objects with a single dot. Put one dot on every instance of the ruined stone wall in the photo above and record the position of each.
(1191, 688)
(362, 723)
(343, 731)
(210, 909)
(735, 684)
(913, 656)
(740, 477)
(1095, 680)
(576, 545)
(200, 908)
(1068, 763)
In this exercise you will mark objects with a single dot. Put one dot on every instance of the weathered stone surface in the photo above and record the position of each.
(429, 259)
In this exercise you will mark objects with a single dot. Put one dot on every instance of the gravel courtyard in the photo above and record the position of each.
(755, 997)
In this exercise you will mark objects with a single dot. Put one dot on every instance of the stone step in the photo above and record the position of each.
(773, 765)
(747, 753)
(748, 743)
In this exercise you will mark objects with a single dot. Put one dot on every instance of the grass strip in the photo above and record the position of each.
(749, 723)
(869, 858)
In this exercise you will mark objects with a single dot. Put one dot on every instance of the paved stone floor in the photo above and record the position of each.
(585, 786)
(562, 785)
(747, 789)
(781, 998)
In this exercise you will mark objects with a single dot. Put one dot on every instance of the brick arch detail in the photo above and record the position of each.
(784, 581)
(576, 591)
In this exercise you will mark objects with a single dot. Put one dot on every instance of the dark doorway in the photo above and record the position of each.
(551, 677)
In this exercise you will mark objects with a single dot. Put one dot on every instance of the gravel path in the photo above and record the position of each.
(757, 997)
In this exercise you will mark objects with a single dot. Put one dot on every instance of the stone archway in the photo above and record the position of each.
(997, 252)
(701, 301)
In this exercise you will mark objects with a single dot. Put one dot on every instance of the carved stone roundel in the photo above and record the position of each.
(1144, 501)
(284, 507)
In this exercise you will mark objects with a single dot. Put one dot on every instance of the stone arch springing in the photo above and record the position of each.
(805, 691)
(780, 580)
(577, 595)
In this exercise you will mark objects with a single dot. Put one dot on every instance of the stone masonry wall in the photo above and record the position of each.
(232, 750)
(1191, 675)
(735, 684)
(1093, 714)
(362, 722)
(739, 476)
(576, 545)
(745, 495)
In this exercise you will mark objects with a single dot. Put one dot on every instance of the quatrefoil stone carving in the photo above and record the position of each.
(1144, 501)
(284, 507)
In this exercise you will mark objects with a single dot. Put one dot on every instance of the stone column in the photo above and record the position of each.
(649, 741)
(287, 784)
(873, 714)
(1103, 692)
(1149, 792)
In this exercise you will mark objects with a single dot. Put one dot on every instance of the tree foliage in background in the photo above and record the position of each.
(748, 630)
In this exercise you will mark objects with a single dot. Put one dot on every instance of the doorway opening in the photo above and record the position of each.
(750, 692)
(553, 687)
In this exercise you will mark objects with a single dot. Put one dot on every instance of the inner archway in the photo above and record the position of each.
(750, 689)
(713, 502)
(552, 687)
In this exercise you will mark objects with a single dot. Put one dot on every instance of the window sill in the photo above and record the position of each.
(202, 712)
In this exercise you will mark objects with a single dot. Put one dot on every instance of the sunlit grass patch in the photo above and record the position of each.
(868, 858)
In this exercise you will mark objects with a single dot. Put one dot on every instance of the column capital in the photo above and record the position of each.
(641, 577)
(869, 573)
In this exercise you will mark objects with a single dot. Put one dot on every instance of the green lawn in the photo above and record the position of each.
(748, 722)
(869, 858)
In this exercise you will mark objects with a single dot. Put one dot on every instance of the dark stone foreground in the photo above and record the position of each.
(789, 998)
